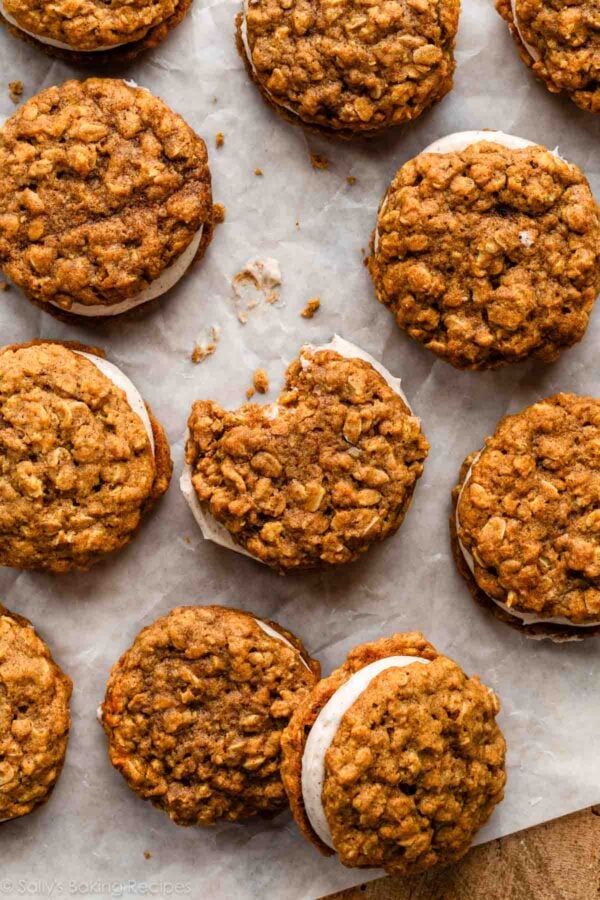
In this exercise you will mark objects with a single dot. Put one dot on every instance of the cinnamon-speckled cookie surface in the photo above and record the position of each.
(77, 469)
(97, 33)
(415, 767)
(194, 712)
(319, 476)
(528, 518)
(560, 41)
(102, 188)
(34, 718)
(489, 255)
(349, 69)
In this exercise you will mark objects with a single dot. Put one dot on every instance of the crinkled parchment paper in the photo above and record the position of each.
(92, 836)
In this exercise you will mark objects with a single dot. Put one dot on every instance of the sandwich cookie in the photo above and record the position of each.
(560, 42)
(347, 69)
(195, 709)
(82, 458)
(395, 760)
(106, 198)
(315, 478)
(487, 250)
(95, 33)
(34, 718)
(526, 523)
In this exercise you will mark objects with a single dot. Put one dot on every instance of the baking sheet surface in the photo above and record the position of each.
(91, 838)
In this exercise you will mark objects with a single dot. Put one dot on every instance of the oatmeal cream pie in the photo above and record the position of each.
(105, 198)
(82, 458)
(195, 709)
(34, 718)
(395, 760)
(526, 521)
(560, 42)
(93, 32)
(315, 478)
(345, 68)
(487, 250)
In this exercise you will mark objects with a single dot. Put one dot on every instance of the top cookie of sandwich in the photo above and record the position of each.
(93, 30)
(560, 41)
(317, 477)
(489, 254)
(102, 189)
(349, 68)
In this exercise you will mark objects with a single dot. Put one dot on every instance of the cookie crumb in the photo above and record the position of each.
(15, 90)
(219, 139)
(319, 161)
(351, 179)
(219, 212)
(311, 308)
(3, 285)
(147, 854)
(250, 392)
(207, 347)
(258, 172)
(261, 381)
(260, 279)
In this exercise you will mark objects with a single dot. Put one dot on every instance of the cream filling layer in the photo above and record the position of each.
(525, 617)
(214, 531)
(535, 55)
(455, 143)
(51, 42)
(165, 281)
(118, 378)
(323, 732)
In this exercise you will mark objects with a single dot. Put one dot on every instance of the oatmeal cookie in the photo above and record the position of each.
(105, 198)
(526, 526)
(317, 477)
(347, 69)
(560, 42)
(82, 459)
(34, 718)
(395, 760)
(487, 250)
(98, 33)
(194, 712)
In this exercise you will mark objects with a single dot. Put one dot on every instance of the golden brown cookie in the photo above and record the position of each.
(105, 198)
(317, 477)
(526, 526)
(560, 41)
(194, 712)
(97, 33)
(34, 718)
(487, 250)
(82, 459)
(395, 760)
(347, 69)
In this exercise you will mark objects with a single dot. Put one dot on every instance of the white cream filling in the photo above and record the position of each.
(118, 378)
(281, 637)
(460, 140)
(525, 617)
(214, 531)
(51, 42)
(531, 50)
(165, 281)
(323, 732)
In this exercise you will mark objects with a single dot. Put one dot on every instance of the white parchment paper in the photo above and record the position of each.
(90, 839)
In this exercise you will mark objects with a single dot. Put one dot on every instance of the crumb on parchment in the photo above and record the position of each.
(260, 279)
(147, 854)
(3, 285)
(260, 381)
(258, 172)
(219, 213)
(15, 90)
(319, 161)
(250, 392)
(311, 308)
(219, 139)
(351, 180)
(205, 348)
